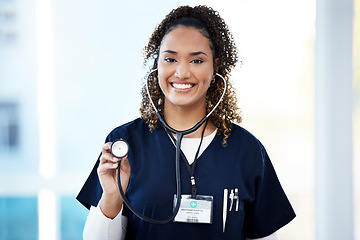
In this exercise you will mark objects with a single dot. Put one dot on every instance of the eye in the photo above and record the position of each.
(170, 60)
(197, 61)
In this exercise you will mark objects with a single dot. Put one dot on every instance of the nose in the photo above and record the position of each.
(182, 71)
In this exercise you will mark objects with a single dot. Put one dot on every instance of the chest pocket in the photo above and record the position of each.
(235, 218)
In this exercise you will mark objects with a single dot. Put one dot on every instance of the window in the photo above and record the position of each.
(9, 126)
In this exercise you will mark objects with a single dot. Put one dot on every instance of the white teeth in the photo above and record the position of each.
(182, 86)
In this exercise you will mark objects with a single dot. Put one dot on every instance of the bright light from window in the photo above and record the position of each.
(47, 215)
(45, 93)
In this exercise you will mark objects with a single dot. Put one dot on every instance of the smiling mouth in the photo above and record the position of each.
(182, 85)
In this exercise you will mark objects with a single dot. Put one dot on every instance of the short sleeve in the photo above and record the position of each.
(91, 191)
(270, 210)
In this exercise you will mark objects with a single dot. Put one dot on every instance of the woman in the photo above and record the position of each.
(191, 47)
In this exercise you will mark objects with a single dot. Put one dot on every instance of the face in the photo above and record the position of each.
(185, 68)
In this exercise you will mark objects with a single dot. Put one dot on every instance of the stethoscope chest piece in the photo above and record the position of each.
(119, 148)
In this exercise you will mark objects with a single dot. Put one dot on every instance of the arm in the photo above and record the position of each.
(98, 226)
(108, 213)
(111, 201)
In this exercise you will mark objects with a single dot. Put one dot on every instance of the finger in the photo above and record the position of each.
(105, 167)
(107, 157)
(106, 147)
(125, 162)
(125, 166)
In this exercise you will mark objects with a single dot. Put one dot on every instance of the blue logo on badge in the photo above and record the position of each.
(193, 204)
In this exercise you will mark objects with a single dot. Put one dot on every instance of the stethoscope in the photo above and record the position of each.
(119, 148)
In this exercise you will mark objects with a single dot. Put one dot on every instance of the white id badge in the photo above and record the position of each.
(198, 210)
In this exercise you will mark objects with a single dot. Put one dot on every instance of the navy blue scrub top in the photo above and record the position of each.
(242, 164)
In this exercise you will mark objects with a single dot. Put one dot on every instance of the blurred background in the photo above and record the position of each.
(71, 71)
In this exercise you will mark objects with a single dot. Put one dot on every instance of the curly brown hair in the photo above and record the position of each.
(212, 26)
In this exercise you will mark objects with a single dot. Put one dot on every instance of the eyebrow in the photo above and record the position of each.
(191, 54)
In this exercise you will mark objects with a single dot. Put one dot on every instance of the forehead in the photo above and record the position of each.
(185, 39)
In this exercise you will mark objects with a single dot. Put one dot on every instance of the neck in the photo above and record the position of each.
(182, 119)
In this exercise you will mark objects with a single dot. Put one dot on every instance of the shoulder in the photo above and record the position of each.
(247, 145)
(124, 131)
(240, 135)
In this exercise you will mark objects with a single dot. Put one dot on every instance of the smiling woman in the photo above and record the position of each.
(193, 54)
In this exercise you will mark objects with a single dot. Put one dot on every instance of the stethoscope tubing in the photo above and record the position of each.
(178, 191)
(179, 137)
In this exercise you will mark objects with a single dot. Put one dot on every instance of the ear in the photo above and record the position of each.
(216, 64)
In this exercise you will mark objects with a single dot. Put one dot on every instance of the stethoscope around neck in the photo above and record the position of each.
(119, 149)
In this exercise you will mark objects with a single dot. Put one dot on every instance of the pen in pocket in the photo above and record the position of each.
(225, 208)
